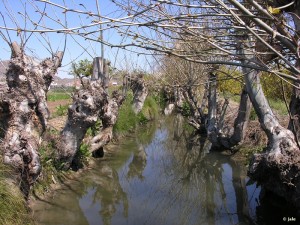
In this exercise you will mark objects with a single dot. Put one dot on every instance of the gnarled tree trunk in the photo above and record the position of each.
(108, 116)
(140, 92)
(82, 114)
(227, 136)
(294, 124)
(28, 82)
(277, 169)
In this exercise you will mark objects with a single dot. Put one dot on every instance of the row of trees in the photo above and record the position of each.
(25, 115)
(253, 36)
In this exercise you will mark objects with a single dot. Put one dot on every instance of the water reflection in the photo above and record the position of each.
(108, 192)
(138, 163)
(164, 175)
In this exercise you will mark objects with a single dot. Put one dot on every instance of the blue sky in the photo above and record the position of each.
(77, 48)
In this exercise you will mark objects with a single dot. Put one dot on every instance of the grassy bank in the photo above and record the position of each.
(127, 120)
(13, 209)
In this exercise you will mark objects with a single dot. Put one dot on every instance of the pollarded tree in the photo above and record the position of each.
(26, 115)
(25, 101)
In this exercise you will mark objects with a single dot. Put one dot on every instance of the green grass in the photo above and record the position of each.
(57, 95)
(127, 120)
(13, 209)
(279, 106)
(235, 98)
(149, 111)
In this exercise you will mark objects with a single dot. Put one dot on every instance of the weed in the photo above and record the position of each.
(94, 129)
(84, 151)
(61, 110)
(161, 99)
(127, 118)
(49, 163)
(142, 119)
(150, 109)
(186, 110)
(81, 157)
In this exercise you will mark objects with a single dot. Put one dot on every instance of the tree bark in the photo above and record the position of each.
(221, 136)
(140, 92)
(109, 116)
(294, 123)
(212, 110)
(242, 120)
(28, 83)
(82, 114)
(277, 169)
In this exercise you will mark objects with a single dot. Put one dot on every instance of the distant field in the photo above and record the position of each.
(55, 96)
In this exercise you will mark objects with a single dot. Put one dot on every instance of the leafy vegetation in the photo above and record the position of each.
(127, 119)
(61, 110)
(249, 151)
(186, 110)
(161, 99)
(227, 81)
(229, 87)
(253, 115)
(273, 85)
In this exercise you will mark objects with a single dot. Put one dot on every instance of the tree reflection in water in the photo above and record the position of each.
(165, 175)
(109, 193)
(138, 163)
(218, 178)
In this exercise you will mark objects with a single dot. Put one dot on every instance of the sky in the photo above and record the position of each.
(41, 45)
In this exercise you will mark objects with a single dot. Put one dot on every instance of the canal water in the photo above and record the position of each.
(161, 175)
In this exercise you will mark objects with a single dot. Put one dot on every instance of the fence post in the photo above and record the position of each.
(101, 71)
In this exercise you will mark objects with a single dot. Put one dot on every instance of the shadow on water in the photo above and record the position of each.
(163, 175)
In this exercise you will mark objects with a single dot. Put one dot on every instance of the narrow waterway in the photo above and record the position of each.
(162, 175)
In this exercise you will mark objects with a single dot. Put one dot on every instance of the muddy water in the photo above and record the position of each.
(161, 175)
